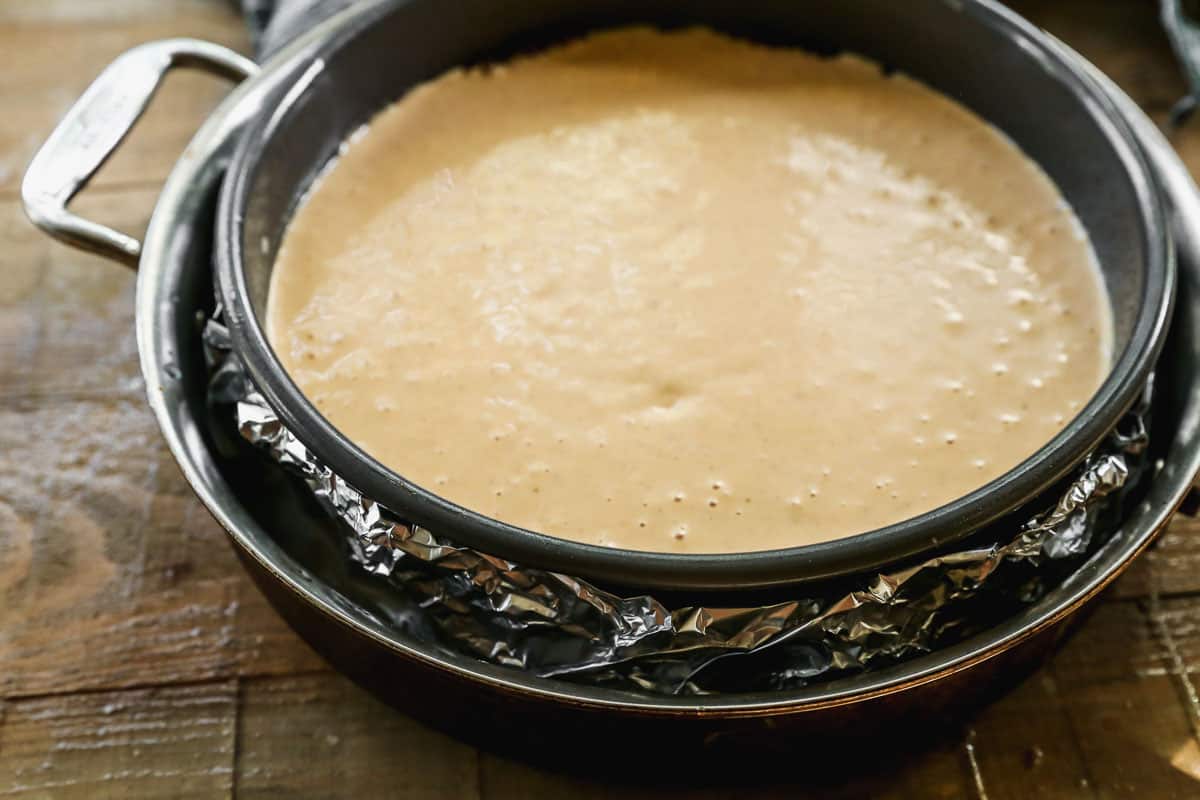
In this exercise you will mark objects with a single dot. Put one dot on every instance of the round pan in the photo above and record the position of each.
(510, 709)
(973, 50)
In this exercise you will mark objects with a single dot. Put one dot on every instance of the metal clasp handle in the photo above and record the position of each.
(94, 127)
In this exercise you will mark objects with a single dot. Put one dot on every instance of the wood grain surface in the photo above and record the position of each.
(137, 660)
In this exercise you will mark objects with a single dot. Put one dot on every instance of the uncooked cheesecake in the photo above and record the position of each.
(680, 292)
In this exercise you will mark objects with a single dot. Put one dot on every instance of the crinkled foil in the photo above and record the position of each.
(557, 625)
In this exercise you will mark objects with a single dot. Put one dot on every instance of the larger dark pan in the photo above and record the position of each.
(509, 708)
(974, 51)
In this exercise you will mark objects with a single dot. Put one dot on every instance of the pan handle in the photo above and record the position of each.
(94, 128)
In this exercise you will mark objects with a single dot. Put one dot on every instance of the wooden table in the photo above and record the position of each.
(136, 660)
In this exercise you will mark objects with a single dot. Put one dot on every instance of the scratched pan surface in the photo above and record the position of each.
(288, 546)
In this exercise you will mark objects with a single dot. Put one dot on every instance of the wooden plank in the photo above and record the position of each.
(174, 742)
(66, 317)
(1178, 621)
(111, 573)
(939, 772)
(320, 736)
(21, 271)
(1022, 761)
(264, 645)
(77, 484)
(1135, 739)
(1071, 730)
(39, 84)
(1116, 646)
(178, 637)
(1122, 683)
(1171, 567)
(123, 12)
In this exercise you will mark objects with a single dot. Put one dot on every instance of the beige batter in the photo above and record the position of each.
(677, 292)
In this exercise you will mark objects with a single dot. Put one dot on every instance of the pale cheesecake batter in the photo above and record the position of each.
(678, 292)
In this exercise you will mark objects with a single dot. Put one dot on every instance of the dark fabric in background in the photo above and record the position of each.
(274, 22)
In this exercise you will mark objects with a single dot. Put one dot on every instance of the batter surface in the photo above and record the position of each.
(677, 292)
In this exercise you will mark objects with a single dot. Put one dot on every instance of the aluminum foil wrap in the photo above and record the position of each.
(556, 625)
